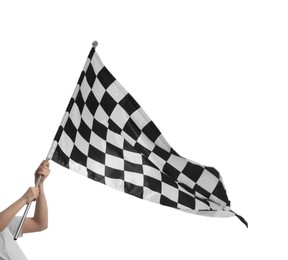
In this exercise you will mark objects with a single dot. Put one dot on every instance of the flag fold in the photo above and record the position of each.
(106, 136)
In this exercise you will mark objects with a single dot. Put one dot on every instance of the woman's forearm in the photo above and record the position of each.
(8, 214)
(41, 209)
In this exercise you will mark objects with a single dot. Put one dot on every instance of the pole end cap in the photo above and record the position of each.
(94, 44)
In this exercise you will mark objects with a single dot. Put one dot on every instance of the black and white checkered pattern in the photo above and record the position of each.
(106, 136)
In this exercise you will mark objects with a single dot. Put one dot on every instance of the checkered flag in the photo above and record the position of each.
(106, 136)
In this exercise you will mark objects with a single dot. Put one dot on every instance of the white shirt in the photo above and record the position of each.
(9, 249)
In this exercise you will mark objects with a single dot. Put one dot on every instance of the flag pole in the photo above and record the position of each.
(27, 209)
(94, 45)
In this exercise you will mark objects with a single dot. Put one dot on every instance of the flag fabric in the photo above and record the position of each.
(106, 136)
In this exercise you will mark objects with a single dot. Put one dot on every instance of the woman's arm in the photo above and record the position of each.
(8, 214)
(40, 220)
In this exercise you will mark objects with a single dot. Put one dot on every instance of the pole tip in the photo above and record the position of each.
(94, 44)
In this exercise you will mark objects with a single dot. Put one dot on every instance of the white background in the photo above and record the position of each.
(212, 75)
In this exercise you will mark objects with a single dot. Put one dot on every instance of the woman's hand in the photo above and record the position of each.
(31, 194)
(43, 170)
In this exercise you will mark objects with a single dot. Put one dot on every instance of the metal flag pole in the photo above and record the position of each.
(27, 209)
(94, 45)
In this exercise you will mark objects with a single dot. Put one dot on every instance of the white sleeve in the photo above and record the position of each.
(13, 225)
